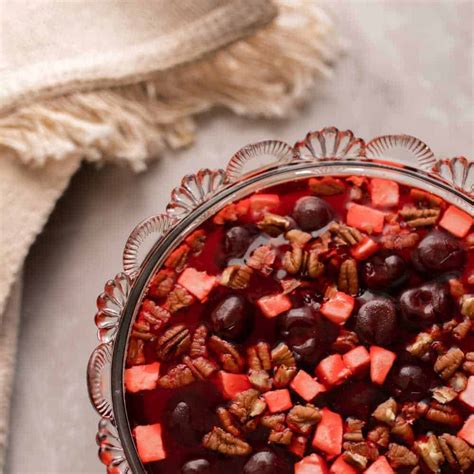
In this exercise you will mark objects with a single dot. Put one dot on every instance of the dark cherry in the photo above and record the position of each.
(307, 333)
(439, 252)
(232, 317)
(426, 304)
(196, 466)
(312, 213)
(384, 271)
(237, 240)
(358, 399)
(267, 462)
(410, 382)
(377, 322)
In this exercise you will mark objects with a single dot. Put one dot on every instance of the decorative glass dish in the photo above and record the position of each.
(402, 159)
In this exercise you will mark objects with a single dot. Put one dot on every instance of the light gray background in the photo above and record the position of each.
(408, 69)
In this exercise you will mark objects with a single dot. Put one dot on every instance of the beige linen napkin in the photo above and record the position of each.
(120, 80)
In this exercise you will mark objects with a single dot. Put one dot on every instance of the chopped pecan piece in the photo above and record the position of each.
(401, 456)
(379, 435)
(444, 395)
(259, 357)
(228, 355)
(419, 217)
(345, 235)
(462, 329)
(177, 299)
(346, 341)
(326, 186)
(386, 412)
(178, 258)
(457, 452)
(225, 443)
(198, 343)
(421, 345)
(201, 367)
(468, 365)
(443, 414)
(456, 288)
(236, 277)
(298, 238)
(135, 354)
(227, 421)
(348, 281)
(399, 240)
(176, 377)
(321, 244)
(448, 363)
(413, 411)
(247, 405)
(141, 330)
(353, 430)
(290, 285)
(274, 422)
(430, 452)
(458, 382)
(196, 241)
(301, 418)
(273, 224)
(162, 283)
(314, 268)
(260, 379)
(359, 454)
(403, 430)
(153, 314)
(174, 342)
(283, 375)
(467, 306)
(293, 260)
(281, 437)
(262, 259)
(281, 355)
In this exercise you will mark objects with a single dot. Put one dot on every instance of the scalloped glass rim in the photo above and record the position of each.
(295, 170)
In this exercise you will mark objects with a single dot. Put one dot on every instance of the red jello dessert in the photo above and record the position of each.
(320, 326)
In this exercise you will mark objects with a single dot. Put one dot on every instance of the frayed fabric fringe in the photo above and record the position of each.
(265, 74)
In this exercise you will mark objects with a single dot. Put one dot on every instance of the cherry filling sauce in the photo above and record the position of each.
(320, 326)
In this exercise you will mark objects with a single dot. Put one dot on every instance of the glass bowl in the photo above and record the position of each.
(329, 151)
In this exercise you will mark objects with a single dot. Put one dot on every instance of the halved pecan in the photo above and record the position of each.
(274, 422)
(162, 283)
(326, 186)
(430, 452)
(260, 379)
(196, 241)
(301, 418)
(283, 375)
(421, 345)
(262, 259)
(293, 260)
(444, 395)
(153, 314)
(177, 299)
(419, 217)
(259, 357)
(236, 277)
(177, 377)
(201, 367)
(386, 412)
(462, 329)
(457, 452)
(141, 330)
(225, 443)
(280, 437)
(178, 258)
(446, 364)
(174, 342)
(282, 355)
(273, 224)
(228, 355)
(353, 430)
(403, 430)
(298, 238)
(227, 421)
(345, 235)
(379, 435)
(467, 306)
(198, 343)
(247, 405)
(468, 365)
(135, 353)
(314, 268)
(346, 340)
(443, 414)
(401, 456)
(348, 281)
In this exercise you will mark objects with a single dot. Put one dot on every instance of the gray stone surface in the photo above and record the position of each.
(408, 69)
